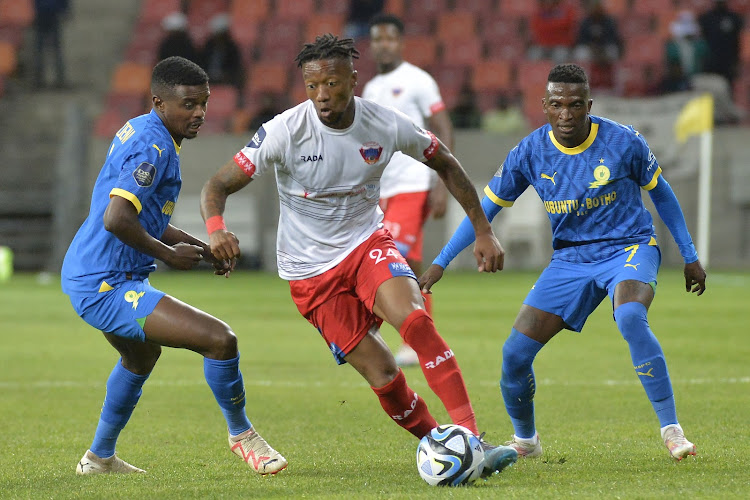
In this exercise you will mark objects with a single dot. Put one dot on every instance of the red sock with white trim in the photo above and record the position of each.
(440, 367)
(405, 406)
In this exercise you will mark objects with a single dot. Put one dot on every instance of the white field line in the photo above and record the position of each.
(69, 384)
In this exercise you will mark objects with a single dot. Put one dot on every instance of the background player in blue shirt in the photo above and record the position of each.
(588, 171)
(106, 269)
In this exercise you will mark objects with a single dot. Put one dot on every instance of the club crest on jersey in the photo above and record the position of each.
(144, 174)
(257, 139)
(601, 174)
(397, 91)
(370, 152)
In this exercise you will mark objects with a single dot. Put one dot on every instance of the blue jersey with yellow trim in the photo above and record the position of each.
(591, 192)
(142, 166)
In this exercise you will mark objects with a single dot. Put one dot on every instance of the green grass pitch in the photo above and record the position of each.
(599, 432)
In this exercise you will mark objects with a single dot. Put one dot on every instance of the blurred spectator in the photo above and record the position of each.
(675, 79)
(359, 15)
(268, 109)
(48, 16)
(686, 47)
(505, 118)
(221, 56)
(721, 29)
(177, 40)
(690, 51)
(553, 31)
(599, 43)
(466, 114)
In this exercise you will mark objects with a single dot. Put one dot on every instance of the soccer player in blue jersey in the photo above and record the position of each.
(588, 171)
(106, 269)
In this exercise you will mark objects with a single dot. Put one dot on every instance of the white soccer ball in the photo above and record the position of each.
(450, 455)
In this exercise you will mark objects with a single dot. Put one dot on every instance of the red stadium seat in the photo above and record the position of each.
(395, 7)
(281, 40)
(492, 76)
(533, 74)
(515, 9)
(109, 122)
(482, 8)
(456, 26)
(12, 35)
(420, 26)
(636, 25)
(617, 8)
(745, 46)
(333, 7)
(420, 50)
(246, 32)
(294, 9)
(223, 101)
(645, 49)
(320, 24)
(128, 105)
(131, 78)
(153, 11)
(657, 7)
(16, 12)
(425, 8)
(243, 11)
(8, 59)
(462, 51)
(267, 76)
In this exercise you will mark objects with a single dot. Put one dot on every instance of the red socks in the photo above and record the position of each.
(440, 368)
(405, 406)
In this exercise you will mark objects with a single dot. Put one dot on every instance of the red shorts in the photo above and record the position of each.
(405, 215)
(339, 302)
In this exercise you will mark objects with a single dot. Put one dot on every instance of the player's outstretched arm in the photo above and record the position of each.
(229, 179)
(487, 249)
(121, 219)
(432, 275)
(695, 278)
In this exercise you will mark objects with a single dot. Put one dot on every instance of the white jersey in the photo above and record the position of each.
(414, 92)
(328, 179)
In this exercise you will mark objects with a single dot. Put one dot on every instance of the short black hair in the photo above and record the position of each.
(388, 19)
(174, 71)
(327, 46)
(568, 73)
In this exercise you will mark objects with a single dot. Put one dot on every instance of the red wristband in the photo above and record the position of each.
(215, 223)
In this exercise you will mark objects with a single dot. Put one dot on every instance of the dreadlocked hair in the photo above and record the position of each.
(327, 46)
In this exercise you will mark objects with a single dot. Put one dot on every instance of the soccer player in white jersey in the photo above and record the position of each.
(345, 273)
(409, 191)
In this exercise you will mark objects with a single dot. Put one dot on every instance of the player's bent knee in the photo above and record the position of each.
(223, 342)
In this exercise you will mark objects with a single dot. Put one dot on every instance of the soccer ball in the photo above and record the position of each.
(450, 455)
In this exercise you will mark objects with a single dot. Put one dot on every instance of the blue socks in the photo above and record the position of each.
(225, 380)
(648, 360)
(517, 383)
(123, 392)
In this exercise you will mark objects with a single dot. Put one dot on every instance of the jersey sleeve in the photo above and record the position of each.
(264, 150)
(509, 182)
(412, 140)
(645, 169)
(429, 99)
(140, 174)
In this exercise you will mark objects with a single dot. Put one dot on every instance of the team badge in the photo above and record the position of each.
(601, 174)
(257, 139)
(144, 174)
(370, 152)
(397, 91)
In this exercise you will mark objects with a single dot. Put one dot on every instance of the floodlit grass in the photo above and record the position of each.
(600, 435)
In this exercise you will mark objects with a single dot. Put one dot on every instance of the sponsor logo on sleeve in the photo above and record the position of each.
(144, 174)
(257, 139)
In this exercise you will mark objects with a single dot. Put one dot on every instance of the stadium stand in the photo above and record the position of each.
(481, 41)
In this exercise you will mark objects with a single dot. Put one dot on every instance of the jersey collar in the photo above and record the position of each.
(581, 147)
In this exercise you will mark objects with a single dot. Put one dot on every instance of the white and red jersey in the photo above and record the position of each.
(414, 92)
(328, 179)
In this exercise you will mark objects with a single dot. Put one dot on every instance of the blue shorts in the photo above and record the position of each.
(121, 311)
(572, 290)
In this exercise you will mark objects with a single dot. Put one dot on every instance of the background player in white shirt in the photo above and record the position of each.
(345, 273)
(409, 191)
